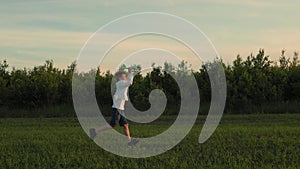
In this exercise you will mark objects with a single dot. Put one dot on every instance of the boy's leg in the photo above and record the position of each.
(112, 124)
(93, 131)
(103, 128)
(127, 132)
(131, 141)
(123, 122)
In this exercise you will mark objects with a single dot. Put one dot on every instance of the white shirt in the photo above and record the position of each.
(121, 95)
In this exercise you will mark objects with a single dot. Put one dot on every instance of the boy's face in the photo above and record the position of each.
(123, 77)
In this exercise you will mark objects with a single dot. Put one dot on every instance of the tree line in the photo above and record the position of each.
(254, 85)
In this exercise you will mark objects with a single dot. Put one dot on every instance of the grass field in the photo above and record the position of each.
(241, 141)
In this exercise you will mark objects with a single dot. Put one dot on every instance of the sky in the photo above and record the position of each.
(33, 31)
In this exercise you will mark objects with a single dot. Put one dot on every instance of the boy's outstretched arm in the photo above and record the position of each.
(128, 82)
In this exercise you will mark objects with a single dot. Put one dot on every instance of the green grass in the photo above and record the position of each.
(241, 141)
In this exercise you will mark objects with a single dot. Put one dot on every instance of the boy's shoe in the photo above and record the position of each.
(133, 142)
(93, 133)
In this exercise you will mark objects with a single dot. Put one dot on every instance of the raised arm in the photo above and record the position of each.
(127, 83)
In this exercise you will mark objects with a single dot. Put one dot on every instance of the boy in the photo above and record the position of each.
(119, 99)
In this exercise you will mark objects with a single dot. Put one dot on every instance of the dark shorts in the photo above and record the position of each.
(117, 117)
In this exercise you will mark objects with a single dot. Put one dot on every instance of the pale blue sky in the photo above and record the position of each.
(35, 30)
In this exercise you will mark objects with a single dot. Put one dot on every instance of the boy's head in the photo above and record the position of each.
(121, 75)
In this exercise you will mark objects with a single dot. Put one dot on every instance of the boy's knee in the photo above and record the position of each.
(113, 124)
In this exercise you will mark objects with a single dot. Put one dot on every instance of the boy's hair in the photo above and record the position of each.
(119, 73)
